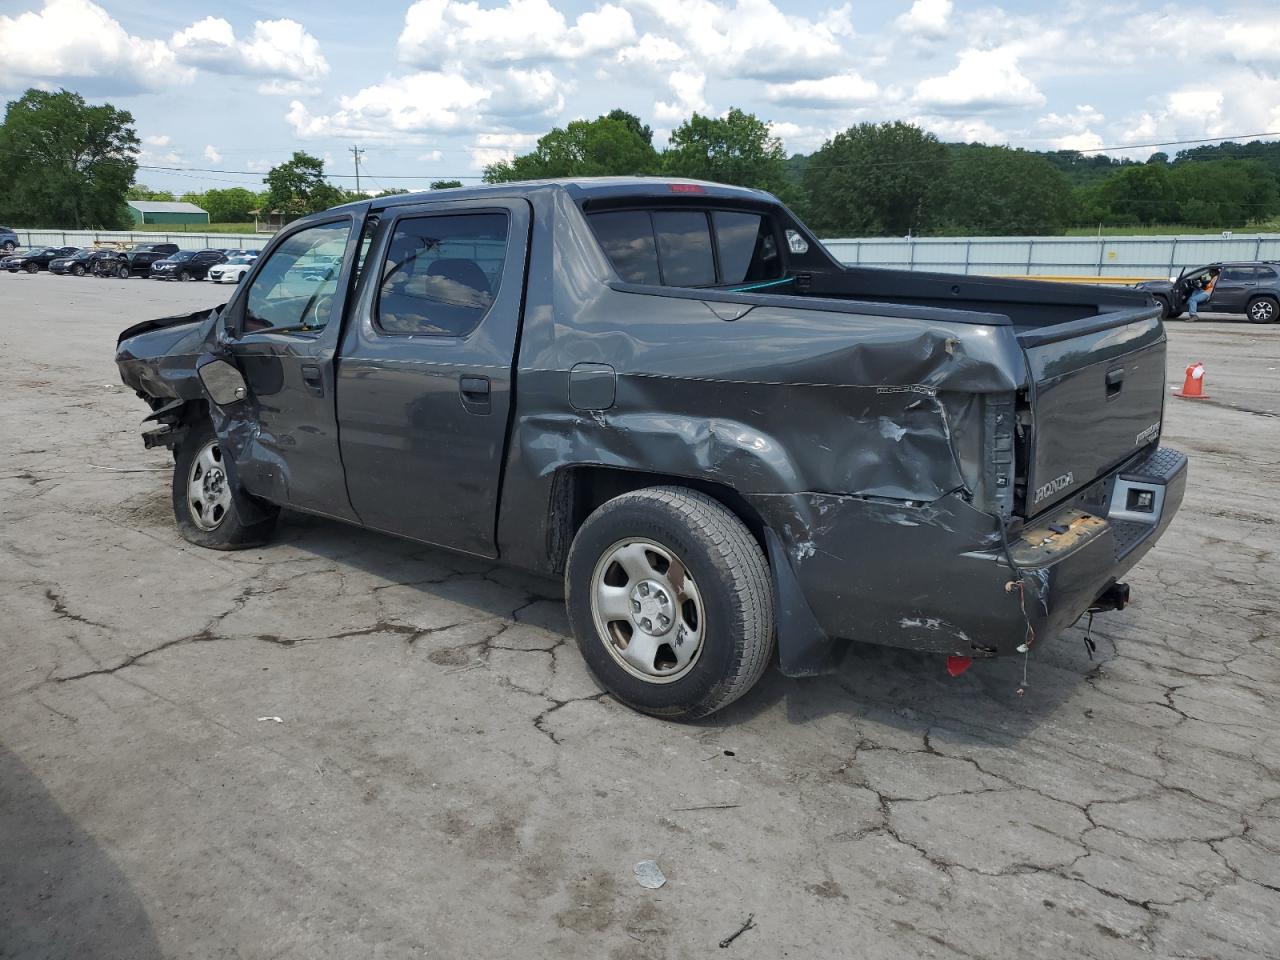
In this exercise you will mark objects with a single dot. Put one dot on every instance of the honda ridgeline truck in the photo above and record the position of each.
(671, 395)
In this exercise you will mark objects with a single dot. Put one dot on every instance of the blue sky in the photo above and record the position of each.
(437, 88)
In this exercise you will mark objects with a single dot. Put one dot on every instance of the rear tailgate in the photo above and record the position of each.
(1097, 396)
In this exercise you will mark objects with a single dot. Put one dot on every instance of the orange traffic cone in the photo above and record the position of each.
(1193, 383)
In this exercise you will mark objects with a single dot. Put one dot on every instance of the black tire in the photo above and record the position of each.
(230, 531)
(8, 247)
(32, 268)
(1165, 309)
(733, 585)
(1263, 310)
(122, 273)
(183, 276)
(77, 271)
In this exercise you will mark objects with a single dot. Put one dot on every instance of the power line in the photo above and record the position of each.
(883, 163)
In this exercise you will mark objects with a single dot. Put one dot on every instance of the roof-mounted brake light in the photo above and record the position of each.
(686, 188)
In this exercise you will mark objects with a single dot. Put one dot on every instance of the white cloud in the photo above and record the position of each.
(281, 50)
(652, 50)
(72, 40)
(420, 103)
(927, 18)
(440, 31)
(531, 94)
(981, 80)
(157, 140)
(753, 38)
(962, 129)
(431, 156)
(797, 138)
(212, 155)
(489, 148)
(688, 87)
(844, 90)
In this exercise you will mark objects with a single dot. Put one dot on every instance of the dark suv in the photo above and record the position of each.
(140, 258)
(1250, 287)
(35, 259)
(187, 265)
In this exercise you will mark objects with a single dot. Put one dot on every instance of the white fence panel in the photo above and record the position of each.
(1119, 257)
(185, 241)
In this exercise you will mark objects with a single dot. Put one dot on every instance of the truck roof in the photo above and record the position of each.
(585, 188)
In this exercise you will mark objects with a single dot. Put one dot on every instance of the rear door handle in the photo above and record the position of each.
(313, 379)
(1115, 380)
(476, 394)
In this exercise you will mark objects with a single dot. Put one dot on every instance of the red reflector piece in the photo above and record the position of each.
(958, 665)
(686, 188)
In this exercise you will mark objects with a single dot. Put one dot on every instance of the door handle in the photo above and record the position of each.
(1115, 380)
(313, 379)
(476, 394)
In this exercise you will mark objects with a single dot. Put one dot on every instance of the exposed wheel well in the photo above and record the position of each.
(577, 491)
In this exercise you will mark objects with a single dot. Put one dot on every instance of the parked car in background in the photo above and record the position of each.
(1248, 287)
(187, 265)
(79, 263)
(35, 259)
(8, 240)
(233, 270)
(140, 258)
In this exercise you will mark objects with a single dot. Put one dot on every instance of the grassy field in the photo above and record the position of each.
(193, 228)
(1175, 229)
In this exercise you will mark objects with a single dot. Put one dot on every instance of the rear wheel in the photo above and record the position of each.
(207, 504)
(8, 247)
(671, 602)
(1263, 310)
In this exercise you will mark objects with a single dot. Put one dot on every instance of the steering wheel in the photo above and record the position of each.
(320, 305)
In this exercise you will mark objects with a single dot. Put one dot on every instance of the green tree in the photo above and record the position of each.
(1224, 193)
(737, 148)
(1141, 193)
(875, 179)
(233, 205)
(66, 163)
(297, 186)
(584, 148)
(140, 191)
(641, 129)
(445, 184)
(995, 191)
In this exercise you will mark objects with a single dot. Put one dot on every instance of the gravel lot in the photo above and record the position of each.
(446, 781)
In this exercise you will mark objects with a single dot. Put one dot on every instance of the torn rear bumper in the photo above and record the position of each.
(933, 577)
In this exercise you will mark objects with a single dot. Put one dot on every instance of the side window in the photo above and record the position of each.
(675, 248)
(684, 248)
(1238, 274)
(441, 274)
(1265, 274)
(748, 247)
(296, 284)
(627, 239)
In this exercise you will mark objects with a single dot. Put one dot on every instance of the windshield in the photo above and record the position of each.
(184, 255)
(82, 255)
(240, 261)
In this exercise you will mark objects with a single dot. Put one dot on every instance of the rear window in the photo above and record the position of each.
(688, 248)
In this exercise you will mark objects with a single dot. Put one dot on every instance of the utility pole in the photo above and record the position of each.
(356, 152)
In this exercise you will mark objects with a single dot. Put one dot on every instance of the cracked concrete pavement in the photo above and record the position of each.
(447, 781)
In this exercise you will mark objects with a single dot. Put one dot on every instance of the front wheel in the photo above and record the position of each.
(1263, 310)
(208, 505)
(32, 268)
(670, 601)
(77, 271)
(184, 276)
(1165, 309)
(123, 273)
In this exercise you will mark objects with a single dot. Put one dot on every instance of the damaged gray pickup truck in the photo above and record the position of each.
(670, 394)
